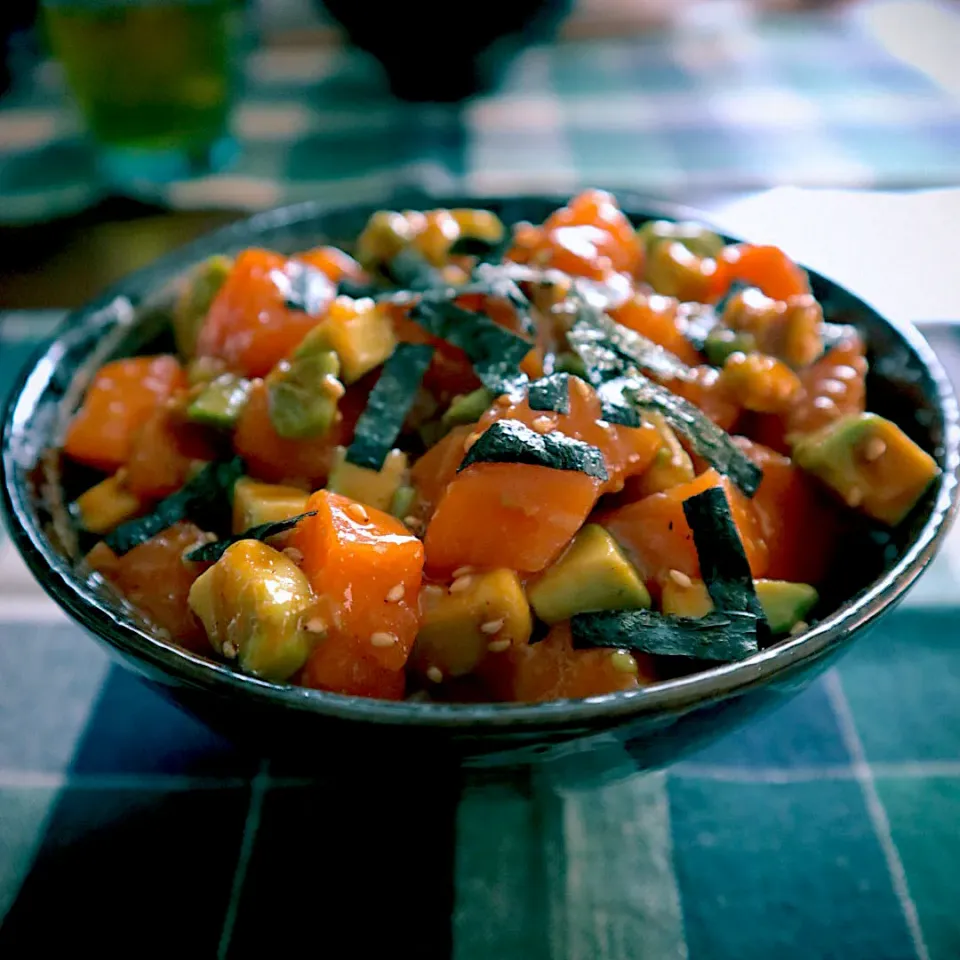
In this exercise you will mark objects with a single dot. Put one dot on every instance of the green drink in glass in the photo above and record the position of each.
(153, 78)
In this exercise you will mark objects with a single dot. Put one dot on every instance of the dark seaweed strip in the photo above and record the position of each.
(509, 441)
(348, 287)
(494, 351)
(490, 280)
(206, 499)
(389, 403)
(211, 552)
(487, 251)
(707, 439)
(723, 561)
(633, 347)
(699, 320)
(613, 407)
(307, 289)
(409, 271)
(724, 637)
(550, 393)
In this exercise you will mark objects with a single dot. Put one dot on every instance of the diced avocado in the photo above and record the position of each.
(374, 488)
(694, 236)
(670, 467)
(478, 223)
(784, 604)
(252, 603)
(303, 393)
(721, 342)
(591, 575)
(459, 625)
(199, 290)
(570, 363)
(256, 503)
(107, 505)
(360, 332)
(870, 463)
(467, 408)
(386, 233)
(402, 502)
(220, 403)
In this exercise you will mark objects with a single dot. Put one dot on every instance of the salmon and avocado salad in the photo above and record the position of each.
(477, 461)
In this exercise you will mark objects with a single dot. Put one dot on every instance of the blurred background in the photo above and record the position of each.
(129, 126)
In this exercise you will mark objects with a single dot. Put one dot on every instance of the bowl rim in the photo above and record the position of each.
(182, 668)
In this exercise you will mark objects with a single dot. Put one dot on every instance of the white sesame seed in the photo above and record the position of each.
(461, 584)
(492, 626)
(315, 625)
(121, 476)
(503, 401)
(470, 441)
(874, 449)
(582, 388)
(358, 512)
(854, 497)
(435, 674)
(292, 553)
(395, 593)
(383, 639)
(332, 387)
(680, 579)
(623, 662)
(498, 646)
(412, 523)
(379, 547)
(462, 571)
(229, 650)
(432, 590)
(633, 458)
(542, 424)
(801, 626)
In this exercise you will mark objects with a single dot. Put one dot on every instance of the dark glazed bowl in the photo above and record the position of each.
(598, 736)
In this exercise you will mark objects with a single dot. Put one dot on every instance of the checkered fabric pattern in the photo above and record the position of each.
(825, 830)
(809, 100)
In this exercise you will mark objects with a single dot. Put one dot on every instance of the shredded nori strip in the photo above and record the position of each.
(389, 403)
(495, 352)
(699, 320)
(211, 552)
(550, 393)
(737, 286)
(724, 637)
(206, 500)
(707, 439)
(723, 561)
(410, 271)
(509, 441)
(487, 251)
(308, 288)
(613, 407)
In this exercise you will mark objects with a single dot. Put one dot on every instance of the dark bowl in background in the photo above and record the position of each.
(446, 54)
(583, 740)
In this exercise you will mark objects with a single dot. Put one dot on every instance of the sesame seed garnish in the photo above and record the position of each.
(854, 497)
(462, 571)
(461, 584)
(395, 593)
(503, 401)
(492, 626)
(801, 626)
(383, 639)
(874, 449)
(431, 590)
(680, 579)
(435, 674)
(582, 388)
(470, 441)
(292, 553)
(121, 476)
(542, 424)
(498, 646)
(358, 512)
(315, 625)
(633, 458)
(623, 662)
(229, 650)
(332, 387)
(379, 547)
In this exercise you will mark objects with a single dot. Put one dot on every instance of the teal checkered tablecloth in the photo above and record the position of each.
(729, 105)
(826, 830)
